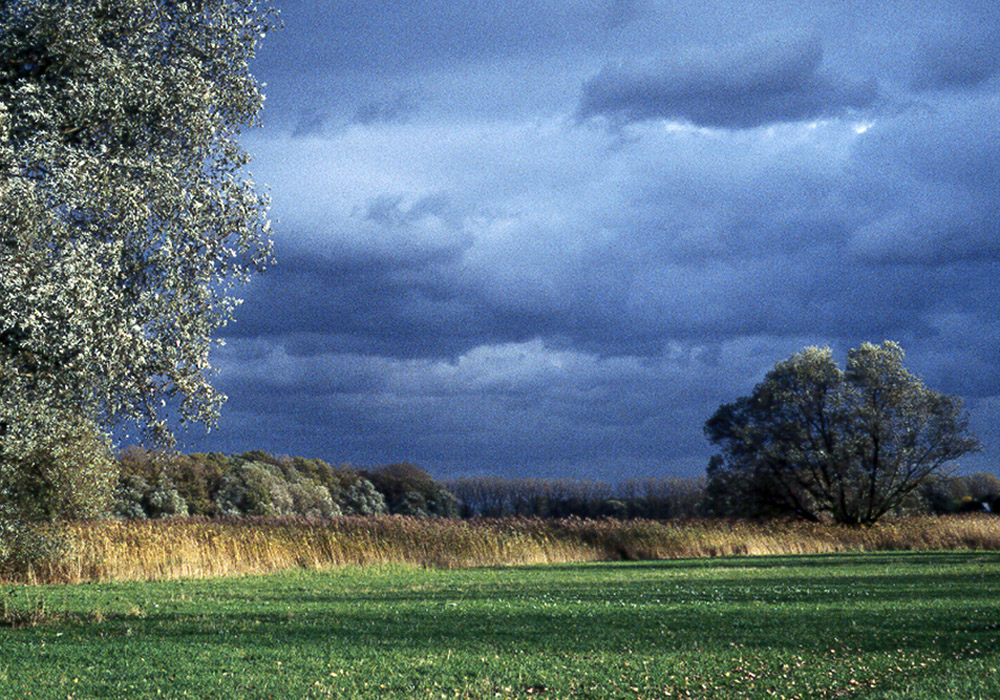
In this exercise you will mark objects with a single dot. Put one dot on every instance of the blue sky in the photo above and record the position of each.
(549, 238)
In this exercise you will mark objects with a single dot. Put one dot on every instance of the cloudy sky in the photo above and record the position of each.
(547, 238)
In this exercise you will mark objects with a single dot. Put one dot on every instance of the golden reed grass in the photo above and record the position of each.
(165, 549)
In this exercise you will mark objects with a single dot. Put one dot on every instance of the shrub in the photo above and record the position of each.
(67, 473)
(252, 489)
(127, 502)
(614, 508)
(961, 494)
(272, 487)
(312, 500)
(70, 475)
(154, 484)
(320, 489)
(983, 487)
(360, 497)
(163, 500)
(196, 478)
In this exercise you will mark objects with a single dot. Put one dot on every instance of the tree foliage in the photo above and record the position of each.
(409, 490)
(126, 217)
(165, 484)
(71, 475)
(126, 220)
(820, 442)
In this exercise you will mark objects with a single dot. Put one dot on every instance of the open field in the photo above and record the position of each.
(174, 548)
(899, 626)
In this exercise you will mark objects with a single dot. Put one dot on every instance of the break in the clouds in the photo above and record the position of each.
(476, 274)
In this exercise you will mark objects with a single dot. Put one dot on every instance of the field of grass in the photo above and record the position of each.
(899, 626)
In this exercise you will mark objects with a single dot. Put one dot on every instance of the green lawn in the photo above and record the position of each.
(892, 626)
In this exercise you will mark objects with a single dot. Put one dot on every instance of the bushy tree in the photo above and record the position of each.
(409, 490)
(819, 442)
(161, 484)
(68, 473)
(352, 494)
(126, 216)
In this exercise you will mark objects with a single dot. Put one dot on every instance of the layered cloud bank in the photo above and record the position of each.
(550, 238)
(763, 81)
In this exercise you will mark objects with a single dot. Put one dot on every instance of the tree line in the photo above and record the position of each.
(152, 484)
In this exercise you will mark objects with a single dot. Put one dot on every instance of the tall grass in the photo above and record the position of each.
(193, 547)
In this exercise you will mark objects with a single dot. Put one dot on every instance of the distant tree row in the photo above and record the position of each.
(492, 496)
(938, 495)
(974, 493)
(152, 485)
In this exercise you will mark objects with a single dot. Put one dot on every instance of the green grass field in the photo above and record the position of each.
(890, 626)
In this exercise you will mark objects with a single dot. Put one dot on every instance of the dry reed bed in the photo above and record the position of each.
(163, 549)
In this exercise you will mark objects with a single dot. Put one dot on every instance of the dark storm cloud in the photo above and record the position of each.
(392, 211)
(311, 122)
(769, 79)
(472, 277)
(389, 37)
(959, 50)
(369, 307)
(318, 120)
(471, 413)
(702, 252)
(960, 62)
(621, 12)
(929, 181)
(338, 62)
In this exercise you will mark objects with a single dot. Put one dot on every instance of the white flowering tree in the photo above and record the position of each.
(126, 213)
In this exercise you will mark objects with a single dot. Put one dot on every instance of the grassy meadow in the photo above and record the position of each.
(880, 626)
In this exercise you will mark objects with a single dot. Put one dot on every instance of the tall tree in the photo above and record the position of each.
(126, 214)
(820, 442)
